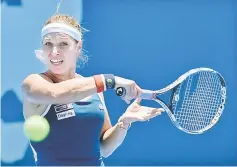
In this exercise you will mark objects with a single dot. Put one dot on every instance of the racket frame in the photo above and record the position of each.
(153, 95)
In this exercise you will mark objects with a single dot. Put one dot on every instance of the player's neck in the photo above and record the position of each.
(62, 77)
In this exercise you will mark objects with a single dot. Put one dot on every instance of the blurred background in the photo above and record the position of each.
(150, 41)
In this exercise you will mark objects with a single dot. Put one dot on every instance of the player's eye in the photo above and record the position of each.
(49, 44)
(63, 44)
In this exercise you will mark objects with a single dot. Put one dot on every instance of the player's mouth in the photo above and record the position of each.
(56, 62)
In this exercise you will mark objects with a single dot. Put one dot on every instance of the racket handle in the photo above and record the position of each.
(147, 94)
(120, 91)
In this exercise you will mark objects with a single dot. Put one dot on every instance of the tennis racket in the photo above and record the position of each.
(196, 99)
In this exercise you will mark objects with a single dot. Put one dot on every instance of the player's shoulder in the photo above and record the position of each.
(30, 108)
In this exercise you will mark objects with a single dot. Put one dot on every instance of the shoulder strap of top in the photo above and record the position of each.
(47, 75)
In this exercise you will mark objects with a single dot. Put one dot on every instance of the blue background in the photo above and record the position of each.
(150, 41)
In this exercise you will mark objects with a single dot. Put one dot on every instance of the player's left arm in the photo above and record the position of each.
(111, 136)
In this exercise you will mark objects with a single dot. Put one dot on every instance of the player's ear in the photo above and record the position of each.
(79, 46)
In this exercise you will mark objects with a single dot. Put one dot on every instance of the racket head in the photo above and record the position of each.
(197, 100)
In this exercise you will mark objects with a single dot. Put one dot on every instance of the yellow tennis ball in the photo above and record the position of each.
(36, 128)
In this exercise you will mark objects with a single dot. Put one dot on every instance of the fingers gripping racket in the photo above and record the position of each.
(197, 99)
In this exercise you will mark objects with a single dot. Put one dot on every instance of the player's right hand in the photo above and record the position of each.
(132, 90)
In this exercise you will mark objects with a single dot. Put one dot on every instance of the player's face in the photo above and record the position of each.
(60, 51)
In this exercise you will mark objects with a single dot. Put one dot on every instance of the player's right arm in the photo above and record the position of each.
(36, 89)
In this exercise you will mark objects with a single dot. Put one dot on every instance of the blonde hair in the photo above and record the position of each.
(70, 21)
(66, 19)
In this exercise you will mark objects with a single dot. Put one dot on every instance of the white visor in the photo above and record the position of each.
(60, 27)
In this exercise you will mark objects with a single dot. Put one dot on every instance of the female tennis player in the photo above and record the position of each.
(81, 133)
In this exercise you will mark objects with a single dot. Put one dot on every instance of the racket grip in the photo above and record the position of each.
(147, 94)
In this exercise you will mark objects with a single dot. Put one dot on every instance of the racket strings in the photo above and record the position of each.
(202, 117)
(200, 102)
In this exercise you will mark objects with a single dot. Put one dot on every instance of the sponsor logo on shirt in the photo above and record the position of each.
(64, 111)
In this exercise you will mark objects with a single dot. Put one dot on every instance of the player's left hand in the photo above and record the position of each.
(136, 112)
